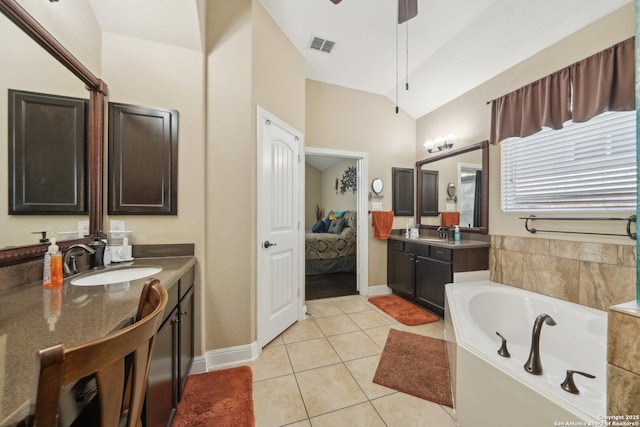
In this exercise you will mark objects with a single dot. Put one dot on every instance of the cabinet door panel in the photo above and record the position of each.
(187, 306)
(431, 276)
(403, 273)
(161, 393)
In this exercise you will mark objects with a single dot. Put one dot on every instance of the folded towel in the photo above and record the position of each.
(382, 222)
(450, 218)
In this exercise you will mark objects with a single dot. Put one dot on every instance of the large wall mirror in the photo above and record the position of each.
(35, 61)
(465, 169)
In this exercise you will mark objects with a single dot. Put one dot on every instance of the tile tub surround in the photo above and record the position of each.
(623, 370)
(597, 275)
(86, 313)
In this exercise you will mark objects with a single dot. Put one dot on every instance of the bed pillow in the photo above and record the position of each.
(336, 226)
(327, 224)
(319, 227)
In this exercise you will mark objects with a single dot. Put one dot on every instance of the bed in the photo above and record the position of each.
(332, 252)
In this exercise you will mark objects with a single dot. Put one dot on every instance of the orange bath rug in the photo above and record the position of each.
(415, 365)
(403, 311)
(217, 398)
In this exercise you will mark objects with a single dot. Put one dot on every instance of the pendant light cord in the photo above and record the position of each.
(407, 59)
(397, 109)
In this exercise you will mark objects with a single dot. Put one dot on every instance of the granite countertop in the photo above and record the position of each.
(444, 243)
(85, 313)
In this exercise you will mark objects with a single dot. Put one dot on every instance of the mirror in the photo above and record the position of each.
(451, 191)
(48, 68)
(377, 185)
(464, 187)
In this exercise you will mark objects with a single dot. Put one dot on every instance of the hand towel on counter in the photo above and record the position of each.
(382, 222)
(450, 218)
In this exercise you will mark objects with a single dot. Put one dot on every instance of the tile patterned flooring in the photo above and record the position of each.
(319, 372)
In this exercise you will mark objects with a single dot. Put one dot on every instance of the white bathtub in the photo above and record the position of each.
(491, 390)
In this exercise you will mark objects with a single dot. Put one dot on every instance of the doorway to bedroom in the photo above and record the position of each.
(334, 200)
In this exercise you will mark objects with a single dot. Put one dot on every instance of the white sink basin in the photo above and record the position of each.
(116, 276)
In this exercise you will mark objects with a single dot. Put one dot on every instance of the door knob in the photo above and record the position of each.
(268, 244)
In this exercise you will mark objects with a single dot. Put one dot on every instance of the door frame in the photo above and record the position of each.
(362, 262)
(263, 114)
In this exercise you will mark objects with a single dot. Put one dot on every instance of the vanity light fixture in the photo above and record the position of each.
(440, 143)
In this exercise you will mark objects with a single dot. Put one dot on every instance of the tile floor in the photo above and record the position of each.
(319, 372)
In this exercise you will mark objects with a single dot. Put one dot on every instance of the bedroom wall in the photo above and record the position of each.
(312, 194)
(348, 119)
(330, 200)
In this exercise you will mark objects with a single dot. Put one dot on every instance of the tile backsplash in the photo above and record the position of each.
(597, 275)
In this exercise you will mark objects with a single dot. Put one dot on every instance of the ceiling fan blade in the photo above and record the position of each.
(335, 1)
(407, 9)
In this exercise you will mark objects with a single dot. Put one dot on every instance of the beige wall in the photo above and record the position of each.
(249, 63)
(347, 119)
(164, 76)
(312, 194)
(469, 116)
(73, 24)
(340, 201)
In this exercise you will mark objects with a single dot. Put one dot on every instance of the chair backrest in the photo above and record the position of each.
(108, 359)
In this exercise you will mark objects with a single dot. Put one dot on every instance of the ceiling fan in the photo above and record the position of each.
(407, 9)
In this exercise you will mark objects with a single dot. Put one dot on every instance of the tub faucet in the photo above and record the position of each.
(533, 365)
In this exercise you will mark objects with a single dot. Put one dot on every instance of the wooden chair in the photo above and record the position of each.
(120, 362)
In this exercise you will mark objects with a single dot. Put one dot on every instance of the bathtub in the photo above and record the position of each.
(491, 390)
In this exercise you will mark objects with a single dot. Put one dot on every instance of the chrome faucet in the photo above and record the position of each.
(69, 261)
(533, 365)
(442, 232)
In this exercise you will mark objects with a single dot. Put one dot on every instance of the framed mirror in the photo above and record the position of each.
(377, 185)
(464, 176)
(63, 71)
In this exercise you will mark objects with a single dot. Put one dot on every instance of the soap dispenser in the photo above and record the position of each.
(99, 246)
(456, 233)
(52, 274)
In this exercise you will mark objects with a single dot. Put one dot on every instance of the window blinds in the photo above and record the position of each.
(583, 166)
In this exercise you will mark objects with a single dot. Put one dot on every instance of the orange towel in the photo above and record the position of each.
(450, 218)
(382, 222)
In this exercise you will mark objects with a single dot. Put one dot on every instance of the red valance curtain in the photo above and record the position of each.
(602, 82)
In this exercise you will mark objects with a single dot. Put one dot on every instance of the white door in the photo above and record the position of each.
(278, 277)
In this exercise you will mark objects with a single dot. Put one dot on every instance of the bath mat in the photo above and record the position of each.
(416, 365)
(403, 311)
(217, 398)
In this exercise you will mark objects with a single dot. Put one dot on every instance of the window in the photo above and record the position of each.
(583, 166)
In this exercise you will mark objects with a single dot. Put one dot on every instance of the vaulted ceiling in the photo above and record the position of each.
(453, 45)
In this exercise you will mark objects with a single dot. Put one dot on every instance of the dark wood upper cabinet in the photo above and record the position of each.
(429, 193)
(402, 182)
(143, 160)
(47, 154)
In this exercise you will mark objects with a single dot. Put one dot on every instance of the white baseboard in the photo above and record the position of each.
(199, 365)
(231, 356)
(379, 290)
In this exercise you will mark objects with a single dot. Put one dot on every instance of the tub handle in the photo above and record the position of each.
(569, 385)
(503, 347)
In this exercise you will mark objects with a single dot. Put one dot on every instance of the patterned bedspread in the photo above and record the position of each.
(330, 246)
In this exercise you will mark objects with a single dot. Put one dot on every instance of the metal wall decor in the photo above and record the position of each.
(349, 181)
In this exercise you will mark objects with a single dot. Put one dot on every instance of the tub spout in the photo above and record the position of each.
(533, 365)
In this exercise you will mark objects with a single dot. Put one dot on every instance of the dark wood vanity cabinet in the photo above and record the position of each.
(400, 271)
(172, 355)
(419, 271)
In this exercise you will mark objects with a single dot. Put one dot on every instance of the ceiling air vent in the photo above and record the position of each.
(320, 44)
